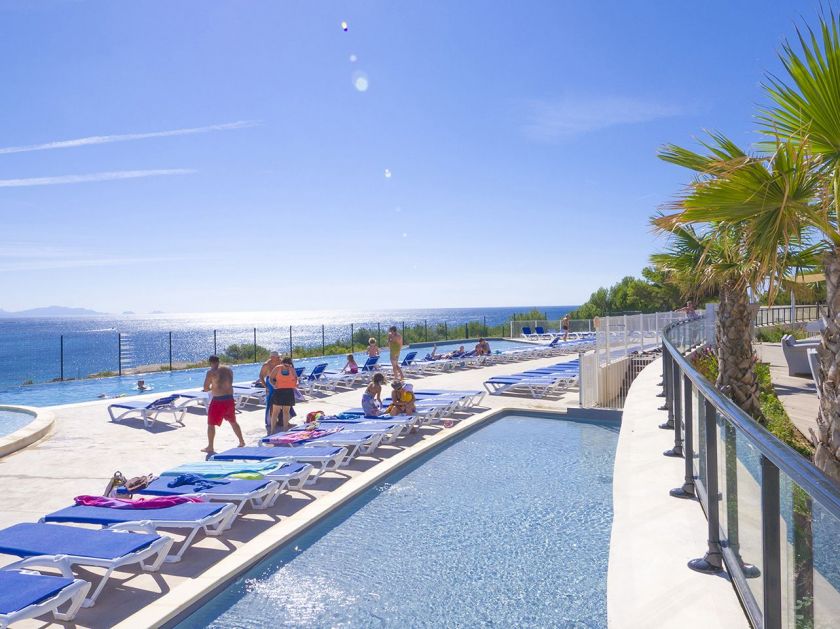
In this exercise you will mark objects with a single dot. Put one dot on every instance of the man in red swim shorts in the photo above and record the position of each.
(219, 381)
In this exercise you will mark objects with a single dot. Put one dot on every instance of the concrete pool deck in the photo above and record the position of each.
(655, 535)
(85, 449)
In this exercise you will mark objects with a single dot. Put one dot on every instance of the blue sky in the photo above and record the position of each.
(238, 166)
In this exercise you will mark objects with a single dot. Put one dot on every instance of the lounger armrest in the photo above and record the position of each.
(59, 562)
(136, 526)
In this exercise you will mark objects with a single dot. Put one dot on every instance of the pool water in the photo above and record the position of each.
(10, 421)
(507, 527)
(71, 391)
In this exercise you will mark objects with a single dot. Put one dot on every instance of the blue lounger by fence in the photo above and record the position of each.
(62, 547)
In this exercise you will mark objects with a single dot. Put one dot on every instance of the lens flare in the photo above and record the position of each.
(360, 82)
(387, 174)
(353, 58)
(344, 26)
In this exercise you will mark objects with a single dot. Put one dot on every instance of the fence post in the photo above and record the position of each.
(445, 331)
(425, 330)
(485, 325)
(625, 335)
(687, 489)
(119, 353)
(351, 338)
(403, 331)
(771, 543)
(712, 561)
(323, 341)
(215, 349)
(61, 360)
(676, 405)
(170, 351)
(379, 334)
(291, 347)
(467, 330)
(511, 326)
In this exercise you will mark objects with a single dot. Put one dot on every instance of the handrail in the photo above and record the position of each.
(780, 454)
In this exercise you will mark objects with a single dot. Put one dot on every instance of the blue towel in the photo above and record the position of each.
(28, 540)
(160, 487)
(18, 590)
(199, 482)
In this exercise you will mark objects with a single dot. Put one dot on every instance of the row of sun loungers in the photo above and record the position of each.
(214, 498)
(537, 383)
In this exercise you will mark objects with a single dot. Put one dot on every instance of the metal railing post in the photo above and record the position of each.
(445, 331)
(352, 333)
(687, 489)
(676, 406)
(61, 358)
(378, 333)
(712, 561)
(485, 325)
(170, 351)
(119, 353)
(291, 347)
(771, 544)
(323, 341)
(215, 349)
(667, 386)
(467, 330)
(425, 330)
(255, 344)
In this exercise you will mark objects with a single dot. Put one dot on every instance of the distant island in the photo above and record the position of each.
(50, 311)
(129, 312)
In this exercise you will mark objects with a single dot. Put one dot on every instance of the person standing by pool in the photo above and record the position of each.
(284, 380)
(373, 348)
(267, 367)
(565, 323)
(219, 382)
(395, 343)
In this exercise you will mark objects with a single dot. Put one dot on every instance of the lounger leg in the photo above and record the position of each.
(76, 603)
(91, 601)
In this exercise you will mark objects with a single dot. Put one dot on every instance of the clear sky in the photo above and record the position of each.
(252, 155)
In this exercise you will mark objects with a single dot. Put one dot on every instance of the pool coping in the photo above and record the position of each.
(35, 430)
(174, 606)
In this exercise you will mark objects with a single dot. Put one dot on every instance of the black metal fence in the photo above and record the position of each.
(44, 357)
(773, 518)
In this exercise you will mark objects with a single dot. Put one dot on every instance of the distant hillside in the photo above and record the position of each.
(50, 311)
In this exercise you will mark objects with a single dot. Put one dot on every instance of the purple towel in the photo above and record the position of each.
(159, 502)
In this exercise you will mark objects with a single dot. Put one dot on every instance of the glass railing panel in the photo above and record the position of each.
(742, 489)
(826, 551)
(699, 440)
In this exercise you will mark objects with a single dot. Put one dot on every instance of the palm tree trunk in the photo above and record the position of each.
(736, 360)
(827, 456)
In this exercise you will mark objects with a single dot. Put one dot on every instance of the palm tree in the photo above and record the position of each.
(713, 260)
(805, 110)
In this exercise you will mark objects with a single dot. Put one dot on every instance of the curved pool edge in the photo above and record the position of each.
(172, 607)
(655, 535)
(34, 431)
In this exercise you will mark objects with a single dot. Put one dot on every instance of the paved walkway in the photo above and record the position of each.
(797, 394)
(85, 449)
(654, 535)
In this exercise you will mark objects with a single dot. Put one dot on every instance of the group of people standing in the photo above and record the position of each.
(280, 374)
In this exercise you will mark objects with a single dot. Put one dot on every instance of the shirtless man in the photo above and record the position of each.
(219, 382)
(267, 367)
(395, 343)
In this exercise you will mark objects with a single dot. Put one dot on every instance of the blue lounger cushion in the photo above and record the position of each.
(187, 511)
(19, 590)
(256, 453)
(30, 539)
(160, 487)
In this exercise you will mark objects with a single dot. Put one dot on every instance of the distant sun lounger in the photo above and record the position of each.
(147, 411)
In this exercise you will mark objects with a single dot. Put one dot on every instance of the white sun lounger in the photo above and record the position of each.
(147, 411)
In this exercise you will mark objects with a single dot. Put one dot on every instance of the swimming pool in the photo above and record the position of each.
(508, 526)
(11, 421)
(70, 391)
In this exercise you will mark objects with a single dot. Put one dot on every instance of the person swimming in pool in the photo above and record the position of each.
(219, 382)
(395, 343)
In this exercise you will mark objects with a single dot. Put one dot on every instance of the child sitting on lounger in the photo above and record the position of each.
(402, 400)
(372, 397)
(351, 366)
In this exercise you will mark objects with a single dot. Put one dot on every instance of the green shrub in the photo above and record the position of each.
(774, 334)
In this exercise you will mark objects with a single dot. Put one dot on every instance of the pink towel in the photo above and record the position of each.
(301, 435)
(158, 502)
